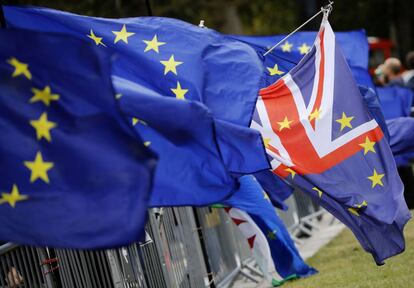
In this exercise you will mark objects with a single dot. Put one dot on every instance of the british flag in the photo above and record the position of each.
(320, 137)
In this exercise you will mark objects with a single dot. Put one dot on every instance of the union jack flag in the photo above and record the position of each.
(320, 137)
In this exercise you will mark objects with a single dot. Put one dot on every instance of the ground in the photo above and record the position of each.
(343, 263)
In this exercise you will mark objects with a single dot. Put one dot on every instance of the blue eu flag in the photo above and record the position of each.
(74, 174)
(199, 144)
(354, 45)
(165, 55)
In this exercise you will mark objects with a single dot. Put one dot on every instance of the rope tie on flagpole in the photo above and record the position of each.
(325, 10)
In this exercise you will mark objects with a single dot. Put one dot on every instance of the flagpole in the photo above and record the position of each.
(149, 10)
(2, 19)
(327, 9)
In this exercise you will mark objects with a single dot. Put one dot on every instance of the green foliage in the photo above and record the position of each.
(263, 17)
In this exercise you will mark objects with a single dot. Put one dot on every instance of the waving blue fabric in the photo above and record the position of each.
(74, 175)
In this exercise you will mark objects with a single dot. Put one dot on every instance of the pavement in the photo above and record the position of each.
(327, 229)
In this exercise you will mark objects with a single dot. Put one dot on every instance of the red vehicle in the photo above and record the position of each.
(379, 50)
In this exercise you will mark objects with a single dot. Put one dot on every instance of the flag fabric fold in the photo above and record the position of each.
(402, 136)
(374, 107)
(395, 101)
(276, 188)
(62, 134)
(242, 148)
(251, 198)
(323, 140)
(190, 170)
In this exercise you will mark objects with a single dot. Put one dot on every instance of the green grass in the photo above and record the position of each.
(343, 263)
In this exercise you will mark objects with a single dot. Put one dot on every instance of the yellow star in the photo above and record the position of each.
(12, 197)
(96, 39)
(43, 127)
(147, 143)
(39, 168)
(266, 142)
(284, 124)
(118, 96)
(122, 35)
(345, 121)
(286, 47)
(319, 191)
(265, 196)
(316, 114)
(44, 95)
(274, 71)
(20, 68)
(368, 145)
(271, 235)
(376, 179)
(304, 49)
(355, 210)
(292, 173)
(136, 120)
(171, 65)
(153, 44)
(179, 92)
(363, 204)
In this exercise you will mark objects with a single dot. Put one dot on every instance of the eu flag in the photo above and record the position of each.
(322, 139)
(74, 175)
(167, 58)
(164, 55)
(284, 57)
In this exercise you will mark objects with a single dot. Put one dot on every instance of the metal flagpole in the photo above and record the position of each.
(326, 9)
(2, 19)
(149, 10)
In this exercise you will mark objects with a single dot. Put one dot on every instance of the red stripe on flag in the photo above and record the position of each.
(321, 80)
(279, 103)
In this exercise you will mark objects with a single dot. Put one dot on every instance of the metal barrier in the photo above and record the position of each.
(24, 267)
(176, 236)
(185, 247)
(219, 241)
